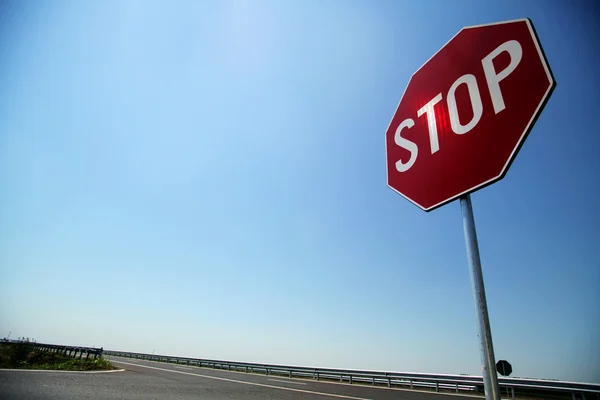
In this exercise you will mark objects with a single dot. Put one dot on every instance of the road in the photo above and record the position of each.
(152, 380)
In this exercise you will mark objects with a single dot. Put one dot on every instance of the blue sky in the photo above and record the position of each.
(208, 179)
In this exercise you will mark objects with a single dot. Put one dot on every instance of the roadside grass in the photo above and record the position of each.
(24, 356)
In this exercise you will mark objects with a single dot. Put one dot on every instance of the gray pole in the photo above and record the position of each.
(488, 362)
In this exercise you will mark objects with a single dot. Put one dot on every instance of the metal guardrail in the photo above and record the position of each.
(71, 351)
(456, 383)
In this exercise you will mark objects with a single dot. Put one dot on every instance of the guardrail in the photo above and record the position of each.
(71, 351)
(512, 387)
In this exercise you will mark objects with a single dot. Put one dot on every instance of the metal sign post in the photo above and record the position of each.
(488, 362)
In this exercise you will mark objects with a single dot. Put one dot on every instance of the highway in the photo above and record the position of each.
(153, 380)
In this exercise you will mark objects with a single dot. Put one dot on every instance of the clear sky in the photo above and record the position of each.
(207, 179)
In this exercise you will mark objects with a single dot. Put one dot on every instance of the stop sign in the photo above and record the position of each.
(504, 368)
(466, 112)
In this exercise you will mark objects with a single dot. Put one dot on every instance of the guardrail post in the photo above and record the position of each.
(290, 373)
(373, 381)
(350, 379)
(437, 386)
(411, 383)
(388, 380)
(267, 368)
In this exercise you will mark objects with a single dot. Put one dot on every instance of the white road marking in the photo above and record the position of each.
(246, 383)
(62, 370)
(424, 391)
(294, 383)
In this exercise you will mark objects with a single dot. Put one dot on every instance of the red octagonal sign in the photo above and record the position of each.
(466, 112)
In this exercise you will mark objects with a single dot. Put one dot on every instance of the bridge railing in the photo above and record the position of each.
(510, 387)
(72, 351)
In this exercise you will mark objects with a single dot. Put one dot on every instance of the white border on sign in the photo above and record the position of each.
(523, 135)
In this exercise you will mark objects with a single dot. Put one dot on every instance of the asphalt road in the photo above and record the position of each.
(153, 380)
